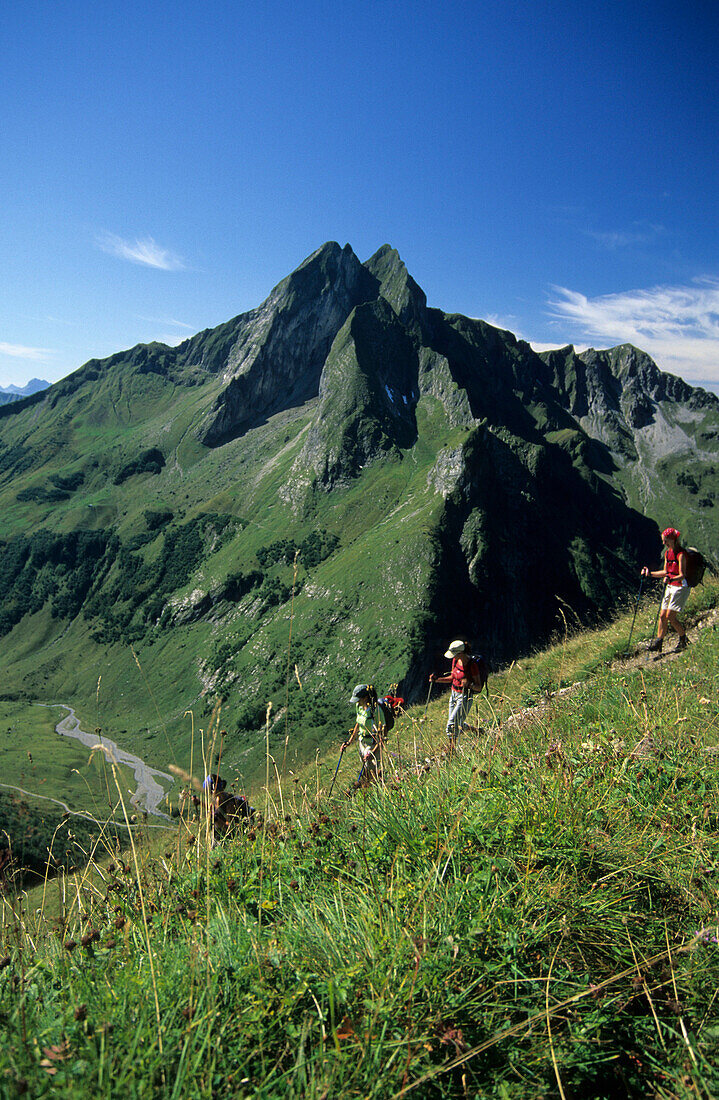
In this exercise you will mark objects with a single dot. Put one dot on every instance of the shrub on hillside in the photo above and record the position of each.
(149, 462)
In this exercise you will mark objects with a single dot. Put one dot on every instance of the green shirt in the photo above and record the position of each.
(365, 736)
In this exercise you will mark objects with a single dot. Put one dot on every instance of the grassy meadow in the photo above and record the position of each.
(536, 916)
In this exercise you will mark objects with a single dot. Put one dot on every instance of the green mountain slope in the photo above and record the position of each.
(319, 492)
(533, 917)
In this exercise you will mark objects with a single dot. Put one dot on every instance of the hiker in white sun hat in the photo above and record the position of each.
(465, 678)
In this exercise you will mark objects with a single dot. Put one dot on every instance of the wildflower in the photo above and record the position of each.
(70, 945)
(80, 1012)
(455, 1037)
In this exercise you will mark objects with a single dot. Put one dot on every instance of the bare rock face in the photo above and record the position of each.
(620, 397)
(368, 393)
(277, 359)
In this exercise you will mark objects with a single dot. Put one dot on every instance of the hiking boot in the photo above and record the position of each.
(655, 646)
(682, 643)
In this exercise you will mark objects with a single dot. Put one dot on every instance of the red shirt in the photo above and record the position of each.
(470, 670)
(671, 564)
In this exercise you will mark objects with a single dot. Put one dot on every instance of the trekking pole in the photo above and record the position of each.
(636, 608)
(426, 705)
(344, 746)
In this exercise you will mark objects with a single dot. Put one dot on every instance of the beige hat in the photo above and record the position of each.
(456, 648)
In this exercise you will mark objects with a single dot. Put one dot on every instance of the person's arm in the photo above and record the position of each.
(467, 675)
(218, 809)
(682, 563)
(647, 572)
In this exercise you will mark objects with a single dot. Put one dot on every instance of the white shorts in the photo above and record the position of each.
(675, 597)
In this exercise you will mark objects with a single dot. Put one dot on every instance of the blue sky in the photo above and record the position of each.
(548, 166)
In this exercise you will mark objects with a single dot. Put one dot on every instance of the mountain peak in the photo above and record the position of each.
(277, 358)
(33, 386)
(397, 286)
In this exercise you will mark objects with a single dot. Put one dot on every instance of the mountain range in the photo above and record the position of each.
(14, 393)
(326, 490)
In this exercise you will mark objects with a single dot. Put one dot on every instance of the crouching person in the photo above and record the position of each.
(226, 810)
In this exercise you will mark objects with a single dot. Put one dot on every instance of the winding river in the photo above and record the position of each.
(149, 793)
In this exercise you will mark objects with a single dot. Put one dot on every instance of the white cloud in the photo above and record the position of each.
(162, 327)
(539, 346)
(677, 325)
(172, 339)
(168, 321)
(20, 351)
(641, 233)
(145, 251)
(506, 322)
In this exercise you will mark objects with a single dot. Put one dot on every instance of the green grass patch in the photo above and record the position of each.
(536, 914)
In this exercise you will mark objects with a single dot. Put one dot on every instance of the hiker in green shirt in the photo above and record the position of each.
(369, 736)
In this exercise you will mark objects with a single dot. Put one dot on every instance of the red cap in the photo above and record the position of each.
(671, 533)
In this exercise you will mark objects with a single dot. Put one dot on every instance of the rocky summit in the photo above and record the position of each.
(324, 490)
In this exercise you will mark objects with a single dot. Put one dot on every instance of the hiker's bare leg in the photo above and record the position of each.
(674, 620)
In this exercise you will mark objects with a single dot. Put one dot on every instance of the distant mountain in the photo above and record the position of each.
(326, 489)
(661, 435)
(14, 393)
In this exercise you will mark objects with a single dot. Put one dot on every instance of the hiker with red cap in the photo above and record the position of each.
(676, 590)
(465, 677)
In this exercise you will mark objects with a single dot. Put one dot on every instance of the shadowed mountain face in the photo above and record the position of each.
(385, 474)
